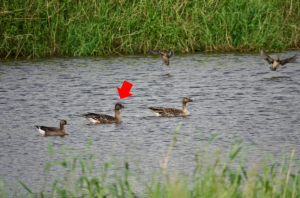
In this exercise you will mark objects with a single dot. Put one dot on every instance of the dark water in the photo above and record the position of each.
(234, 93)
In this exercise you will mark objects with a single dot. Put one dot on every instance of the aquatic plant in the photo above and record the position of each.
(63, 27)
(212, 177)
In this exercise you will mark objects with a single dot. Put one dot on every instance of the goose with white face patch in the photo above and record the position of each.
(170, 112)
(102, 118)
(50, 131)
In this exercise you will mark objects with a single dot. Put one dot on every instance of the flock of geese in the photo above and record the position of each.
(158, 111)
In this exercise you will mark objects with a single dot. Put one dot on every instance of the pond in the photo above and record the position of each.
(235, 94)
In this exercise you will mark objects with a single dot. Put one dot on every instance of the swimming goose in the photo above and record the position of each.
(165, 56)
(275, 62)
(101, 118)
(48, 131)
(169, 112)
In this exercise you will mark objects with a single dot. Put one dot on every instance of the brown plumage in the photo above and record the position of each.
(101, 118)
(165, 56)
(169, 112)
(49, 131)
(276, 62)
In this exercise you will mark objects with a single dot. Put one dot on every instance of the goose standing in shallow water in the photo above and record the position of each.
(170, 112)
(49, 131)
(165, 56)
(276, 62)
(101, 118)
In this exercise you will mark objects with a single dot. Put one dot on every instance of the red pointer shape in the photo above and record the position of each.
(125, 89)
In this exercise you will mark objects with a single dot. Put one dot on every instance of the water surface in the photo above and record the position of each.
(234, 93)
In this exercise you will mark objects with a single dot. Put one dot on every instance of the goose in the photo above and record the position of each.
(276, 62)
(101, 118)
(165, 56)
(48, 131)
(169, 112)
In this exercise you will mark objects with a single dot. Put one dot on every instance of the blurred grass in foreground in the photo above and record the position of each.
(211, 177)
(34, 28)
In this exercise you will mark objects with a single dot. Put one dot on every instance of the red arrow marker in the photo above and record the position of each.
(125, 89)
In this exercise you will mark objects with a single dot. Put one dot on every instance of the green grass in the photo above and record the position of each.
(34, 28)
(232, 177)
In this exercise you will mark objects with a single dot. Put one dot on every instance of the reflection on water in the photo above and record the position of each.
(233, 93)
(279, 78)
(167, 75)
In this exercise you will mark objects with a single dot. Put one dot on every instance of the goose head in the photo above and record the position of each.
(119, 106)
(187, 99)
(64, 122)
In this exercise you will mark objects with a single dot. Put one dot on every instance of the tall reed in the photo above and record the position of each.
(95, 27)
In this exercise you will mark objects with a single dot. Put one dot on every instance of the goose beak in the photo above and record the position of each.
(124, 107)
(192, 100)
(68, 123)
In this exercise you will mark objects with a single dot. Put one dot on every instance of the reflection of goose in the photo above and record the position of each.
(169, 112)
(48, 131)
(101, 118)
(165, 56)
(275, 62)
(279, 78)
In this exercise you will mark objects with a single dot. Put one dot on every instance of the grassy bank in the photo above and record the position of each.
(230, 177)
(95, 27)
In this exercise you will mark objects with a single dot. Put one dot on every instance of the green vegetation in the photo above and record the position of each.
(95, 27)
(212, 177)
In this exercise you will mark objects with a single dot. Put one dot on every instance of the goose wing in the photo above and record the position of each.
(154, 51)
(49, 131)
(167, 112)
(170, 53)
(102, 118)
(288, 60)
(266, 57)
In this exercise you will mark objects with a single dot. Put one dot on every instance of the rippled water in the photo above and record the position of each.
(234, 93)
